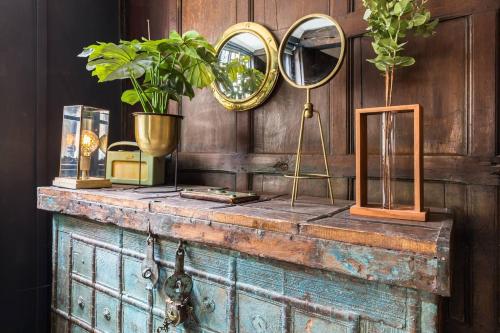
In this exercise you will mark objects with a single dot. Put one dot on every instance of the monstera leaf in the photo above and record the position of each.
(159, 70)
(110, 62)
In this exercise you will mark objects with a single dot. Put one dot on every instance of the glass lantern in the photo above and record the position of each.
(84, 143)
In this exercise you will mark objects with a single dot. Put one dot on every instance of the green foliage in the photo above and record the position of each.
(389, 22)
(238, 80)
(159, 70)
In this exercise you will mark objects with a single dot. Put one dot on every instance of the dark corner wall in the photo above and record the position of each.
(39, 74)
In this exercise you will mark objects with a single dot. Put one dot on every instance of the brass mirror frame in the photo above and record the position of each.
(272, 67)
(291, 30)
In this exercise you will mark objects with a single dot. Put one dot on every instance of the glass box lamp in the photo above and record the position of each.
(84, 142)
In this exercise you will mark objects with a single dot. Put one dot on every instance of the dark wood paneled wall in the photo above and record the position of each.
(24, 236)
(455, 79)
(39, 74)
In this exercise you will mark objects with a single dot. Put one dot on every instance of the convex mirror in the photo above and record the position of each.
(248, 61)
(312, 51)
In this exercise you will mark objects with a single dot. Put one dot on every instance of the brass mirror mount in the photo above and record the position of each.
(308, 112)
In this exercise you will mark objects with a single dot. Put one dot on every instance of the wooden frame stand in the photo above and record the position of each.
(415, 213)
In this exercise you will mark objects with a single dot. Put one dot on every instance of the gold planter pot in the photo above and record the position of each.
(156, 134)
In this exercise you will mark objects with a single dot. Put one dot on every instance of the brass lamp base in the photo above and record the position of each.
(75, 184)
(297, 176)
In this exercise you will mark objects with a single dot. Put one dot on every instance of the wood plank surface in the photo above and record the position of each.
(313, 233)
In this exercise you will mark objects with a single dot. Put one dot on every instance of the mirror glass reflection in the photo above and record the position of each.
(243, 59)
(312, 51)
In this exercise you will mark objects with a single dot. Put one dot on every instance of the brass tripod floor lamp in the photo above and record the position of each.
(310, 55)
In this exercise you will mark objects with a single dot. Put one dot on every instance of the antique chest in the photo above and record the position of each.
(256, 267)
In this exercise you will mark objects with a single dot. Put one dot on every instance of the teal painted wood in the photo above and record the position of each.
(98, 287)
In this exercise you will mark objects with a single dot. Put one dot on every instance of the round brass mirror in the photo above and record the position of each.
(312, 51)
(310, 54)
(248, 58)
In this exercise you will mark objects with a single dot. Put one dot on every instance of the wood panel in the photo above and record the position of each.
(443, 93)
(207, 127)
(281, 14)
(456, 81)
(284, 107)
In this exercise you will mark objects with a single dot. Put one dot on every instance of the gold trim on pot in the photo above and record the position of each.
(156, 134)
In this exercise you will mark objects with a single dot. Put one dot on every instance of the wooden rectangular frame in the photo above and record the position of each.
(417, 213)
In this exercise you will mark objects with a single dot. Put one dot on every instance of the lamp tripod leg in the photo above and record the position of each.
(328, 180)
(295, 188)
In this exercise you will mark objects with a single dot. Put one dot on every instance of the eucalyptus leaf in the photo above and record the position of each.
(419, 19)
(389, 22)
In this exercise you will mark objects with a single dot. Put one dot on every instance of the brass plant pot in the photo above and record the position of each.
(156, 134)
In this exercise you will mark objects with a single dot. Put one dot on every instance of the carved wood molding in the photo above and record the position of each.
(460, 169)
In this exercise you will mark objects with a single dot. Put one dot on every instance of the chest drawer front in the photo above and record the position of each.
(133, 283)
(256, 315)
(106, 313)
(81, 302)
(83, 256)
(313, 323)
(134, 320)
(210, 304)
(107, 268)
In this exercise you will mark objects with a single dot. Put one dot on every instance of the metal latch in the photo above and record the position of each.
(149, 267)
(178, 291)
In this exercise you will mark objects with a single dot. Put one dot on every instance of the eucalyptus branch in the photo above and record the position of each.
(389, 22)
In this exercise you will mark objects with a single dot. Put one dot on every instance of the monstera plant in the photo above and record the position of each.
(390, 22)
(159, 71)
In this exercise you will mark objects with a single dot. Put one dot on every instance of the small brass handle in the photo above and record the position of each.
(106, 313)
(81, 302)
(208, 305)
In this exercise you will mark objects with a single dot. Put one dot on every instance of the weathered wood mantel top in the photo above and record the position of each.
(313, 233)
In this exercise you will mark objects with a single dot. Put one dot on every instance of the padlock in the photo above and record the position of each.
(178, 289)
(179, 285)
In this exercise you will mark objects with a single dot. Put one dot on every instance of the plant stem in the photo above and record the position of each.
(387, 78)
(391, 82)
(139, 95)
(387, 143)
(142, 96)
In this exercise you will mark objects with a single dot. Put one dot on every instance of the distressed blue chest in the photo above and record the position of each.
(98, 286)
